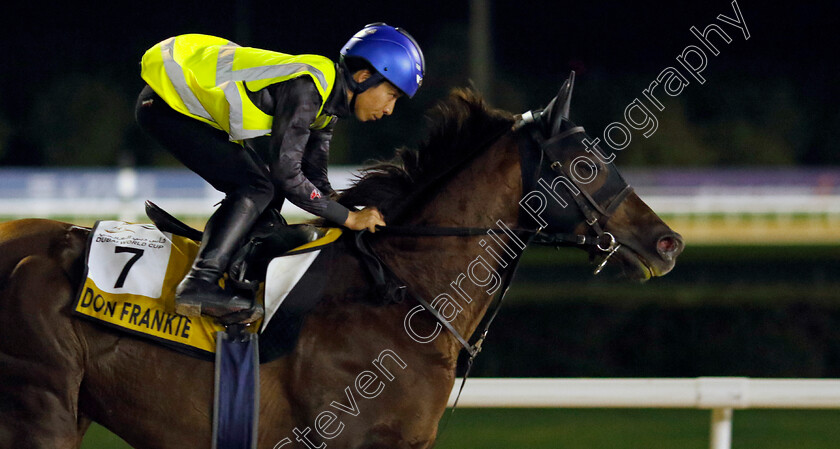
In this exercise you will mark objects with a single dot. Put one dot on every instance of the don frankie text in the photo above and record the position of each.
(168, 323)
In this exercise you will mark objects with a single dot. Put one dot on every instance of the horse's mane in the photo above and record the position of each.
(458, 126)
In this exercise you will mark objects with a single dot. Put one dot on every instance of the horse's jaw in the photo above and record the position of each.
(634, 266)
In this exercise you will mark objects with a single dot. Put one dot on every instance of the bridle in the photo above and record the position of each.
(595, 214)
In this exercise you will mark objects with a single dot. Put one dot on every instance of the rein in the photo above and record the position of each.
(381, 273)
(538, 237)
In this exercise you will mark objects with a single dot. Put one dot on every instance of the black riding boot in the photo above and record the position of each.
(199, 293)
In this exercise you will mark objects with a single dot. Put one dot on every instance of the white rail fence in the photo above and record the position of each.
(97, 192)
(721, 395)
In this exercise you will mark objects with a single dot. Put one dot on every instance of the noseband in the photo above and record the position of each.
(596, 215)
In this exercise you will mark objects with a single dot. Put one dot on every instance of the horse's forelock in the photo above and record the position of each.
(457, 125)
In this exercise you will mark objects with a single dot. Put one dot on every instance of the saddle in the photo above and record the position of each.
(270, 237)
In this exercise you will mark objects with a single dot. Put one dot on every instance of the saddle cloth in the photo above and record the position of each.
(132, 270)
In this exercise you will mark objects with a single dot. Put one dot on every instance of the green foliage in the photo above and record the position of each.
(5, 133)
(677, 142)
(81, 120)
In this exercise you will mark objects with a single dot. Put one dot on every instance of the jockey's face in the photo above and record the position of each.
(376, 102)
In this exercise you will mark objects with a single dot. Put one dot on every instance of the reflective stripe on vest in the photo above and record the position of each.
(176, 76)
(184, 81)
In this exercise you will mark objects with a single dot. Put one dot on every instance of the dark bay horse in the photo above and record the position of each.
(365, 373)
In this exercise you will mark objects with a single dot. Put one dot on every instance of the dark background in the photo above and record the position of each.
(758, 311)
(70, 75)
(70, 72)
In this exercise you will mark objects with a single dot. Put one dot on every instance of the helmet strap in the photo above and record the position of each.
(356, 87)
(375, 78)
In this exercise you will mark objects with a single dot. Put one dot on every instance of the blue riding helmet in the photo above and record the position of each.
(392, 52)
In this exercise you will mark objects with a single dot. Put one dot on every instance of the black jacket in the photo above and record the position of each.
(296, 155)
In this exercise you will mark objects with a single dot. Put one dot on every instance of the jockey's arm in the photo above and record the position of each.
(296, 104)
(316, 159)
(315, 168)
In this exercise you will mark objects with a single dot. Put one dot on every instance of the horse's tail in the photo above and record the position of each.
(64, 243)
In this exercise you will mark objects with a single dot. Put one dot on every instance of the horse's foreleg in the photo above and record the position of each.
(41, 359)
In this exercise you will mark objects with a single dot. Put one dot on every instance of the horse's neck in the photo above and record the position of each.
(459, 272)
(485, 190)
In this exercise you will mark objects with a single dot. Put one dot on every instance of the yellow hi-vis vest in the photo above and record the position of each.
(204, 77)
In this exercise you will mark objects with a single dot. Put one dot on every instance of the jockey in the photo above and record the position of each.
(257, 125)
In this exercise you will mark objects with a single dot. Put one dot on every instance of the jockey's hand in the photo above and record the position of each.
(367, 218)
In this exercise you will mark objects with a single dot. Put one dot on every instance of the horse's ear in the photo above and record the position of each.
(558, 109)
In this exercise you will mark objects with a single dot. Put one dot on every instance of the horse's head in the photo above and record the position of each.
(571, 190)
(574, 192)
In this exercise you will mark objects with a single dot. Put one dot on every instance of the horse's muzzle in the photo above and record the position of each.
(670, 246)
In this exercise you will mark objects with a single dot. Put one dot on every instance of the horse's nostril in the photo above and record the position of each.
(666, 245)
(669, 246)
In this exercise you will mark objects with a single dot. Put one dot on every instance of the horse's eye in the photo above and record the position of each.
(584, 169)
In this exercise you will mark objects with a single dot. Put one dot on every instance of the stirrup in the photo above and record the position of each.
(195, 304)
(244, 316)
(188, 309)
